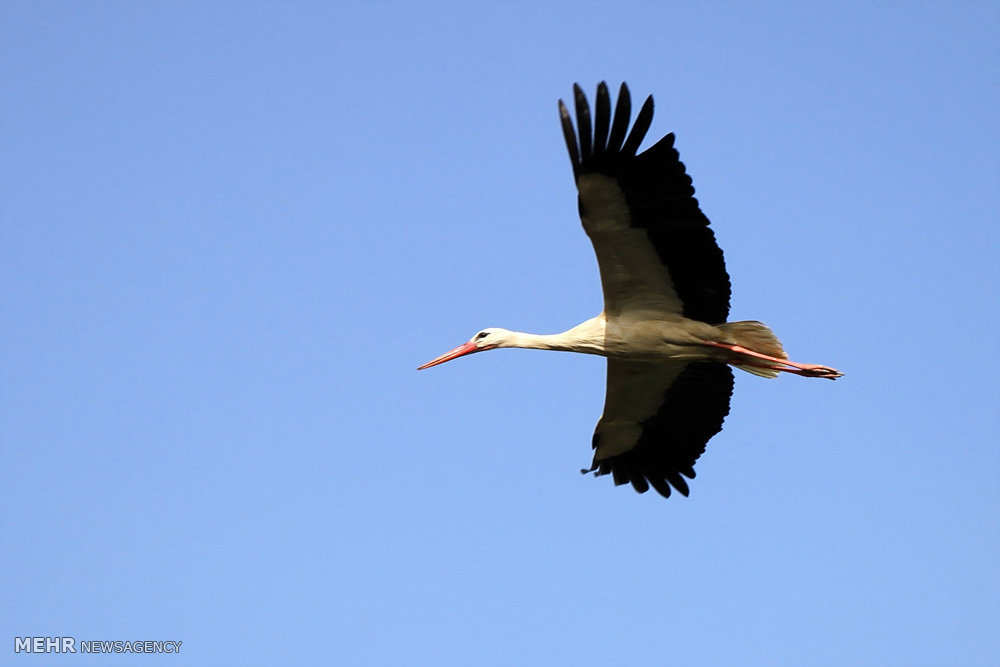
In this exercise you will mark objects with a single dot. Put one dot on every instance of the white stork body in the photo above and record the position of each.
(666, 299)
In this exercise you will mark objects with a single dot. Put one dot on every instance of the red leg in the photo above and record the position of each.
(784, 365)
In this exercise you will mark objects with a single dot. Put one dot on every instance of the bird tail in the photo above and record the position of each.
(757, 337)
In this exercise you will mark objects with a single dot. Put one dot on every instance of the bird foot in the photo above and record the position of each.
(818, 371)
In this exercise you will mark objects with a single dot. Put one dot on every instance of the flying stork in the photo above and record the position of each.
(666, 302)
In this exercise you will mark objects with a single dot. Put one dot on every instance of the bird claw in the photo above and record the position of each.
(818, 371)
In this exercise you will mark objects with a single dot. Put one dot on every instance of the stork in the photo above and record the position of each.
(666, 302)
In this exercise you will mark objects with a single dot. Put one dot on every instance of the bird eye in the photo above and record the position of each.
(481, 335)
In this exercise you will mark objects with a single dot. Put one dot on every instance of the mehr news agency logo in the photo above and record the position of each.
(71, 645)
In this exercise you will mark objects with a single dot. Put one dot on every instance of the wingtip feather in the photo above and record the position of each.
(602, 119)
(583, 124)
(570, 136)
(639, 128)
(619, 126)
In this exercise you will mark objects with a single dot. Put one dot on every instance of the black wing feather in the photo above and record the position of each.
(583, 120)
(661, 486)
(639, 128)
(660, 198)
(693, 410)
(603, 119)
(570, 134)
(619, 127)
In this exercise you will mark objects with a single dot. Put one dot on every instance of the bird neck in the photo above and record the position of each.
(532, 341)
(587, 337)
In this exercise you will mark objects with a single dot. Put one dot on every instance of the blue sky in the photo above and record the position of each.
(231, 231)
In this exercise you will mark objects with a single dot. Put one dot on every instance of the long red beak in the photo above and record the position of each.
(461, 350)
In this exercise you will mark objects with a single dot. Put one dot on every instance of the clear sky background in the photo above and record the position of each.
(231, 231)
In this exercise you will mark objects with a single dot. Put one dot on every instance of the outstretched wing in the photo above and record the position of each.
(654, 247)
(657, 419)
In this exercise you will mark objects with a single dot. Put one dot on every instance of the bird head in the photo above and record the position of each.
(487, 339)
